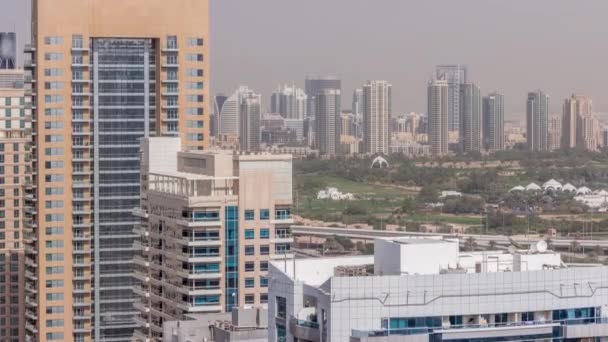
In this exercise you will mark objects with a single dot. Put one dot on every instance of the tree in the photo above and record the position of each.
(408, 205)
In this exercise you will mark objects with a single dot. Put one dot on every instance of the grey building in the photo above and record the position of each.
(470, 117)
(455, 75)
(314, 85)
(327, 132)
(437, 112)
(493, 122)
(537, 121)
(249, 122)
(290, 102)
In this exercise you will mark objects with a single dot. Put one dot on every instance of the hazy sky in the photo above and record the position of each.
(512, 46)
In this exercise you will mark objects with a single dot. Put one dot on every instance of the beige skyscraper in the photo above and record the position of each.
(437, 111)
(580, 126)
(15, 203)
(555, 133)
(106, 74)
(211, 223)
(327, 131)
(377, 109)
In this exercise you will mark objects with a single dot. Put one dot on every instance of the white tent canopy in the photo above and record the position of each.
(552, 184)
(533, 187)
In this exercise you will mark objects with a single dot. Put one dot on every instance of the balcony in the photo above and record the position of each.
(304, 330)
(29, 48)
(282, 216)
(29, 64)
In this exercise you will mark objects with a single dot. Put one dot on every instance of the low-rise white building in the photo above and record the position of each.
(427, 290)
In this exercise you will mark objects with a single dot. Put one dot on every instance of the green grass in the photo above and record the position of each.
(433, 217)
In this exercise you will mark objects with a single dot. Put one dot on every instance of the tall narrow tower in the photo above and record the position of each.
(537, 121)
(455, 75)
(437, 111)
(106, 74)
(494, 122)
(376, 116)
(470, 117)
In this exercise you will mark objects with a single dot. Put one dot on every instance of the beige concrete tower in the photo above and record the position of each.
(376, 116)
(15, 209)
(437, 96)
(106, 73)
(210, 224)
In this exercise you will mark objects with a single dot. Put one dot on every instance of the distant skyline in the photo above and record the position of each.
(511, 46)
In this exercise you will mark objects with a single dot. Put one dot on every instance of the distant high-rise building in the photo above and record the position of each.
(589, 135)
(327, 131)
(290, 102)
(470, 117)
(376, 116)
(455, 75)
(347, 123)
(493, 122)
(357, 108)
(437, 112)
(105, 74)
(537, 121)
(218, 103)
(16, 203)
(605, 138)
(314, 85)
(249, 122)
(229, 118)
(554, 136)
(574, 107)
(214, 123)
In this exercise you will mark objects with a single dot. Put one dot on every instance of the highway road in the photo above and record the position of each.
(366, 234)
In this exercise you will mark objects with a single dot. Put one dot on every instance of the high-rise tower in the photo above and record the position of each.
(376, 116)
(437, 112)
(470, 117)
(106, 74)
(494, 122)
(455, 75)
(537, 121)
(328, 110)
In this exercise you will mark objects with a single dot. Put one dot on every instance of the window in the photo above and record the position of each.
(249, 215)
(194, 111)
(53, 40)
(263, 265)
(53, 178)
(54, 296)
(54, 270)
(527, 316)
(249, 266)
(249, 250)
(53, 111)
(54, 231)
(263, 282)
(194, 85)
(264, 233)
(264, 298)
(249, 299)
(77, 41)
(53, 99)
(195, 72)
(195, 41)
(54, 218)
(194, 57)
(194, 98)
(249, 282)
(53, 138)
(53, 85)
(58, 164)
(194, 124)
(264, 214)
(53, 72)
(54, 309)
(172, 42)
(195, 137)
(281, 307)
(55, 336)
(249, 234)
(53, 56)
(264, 250)
(54, 244)
(49, 151)
(50, 284)
(54, 257)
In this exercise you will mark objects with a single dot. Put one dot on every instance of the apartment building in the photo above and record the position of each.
(421, 289)
(211, 223)
(104, 75)
(15, 195)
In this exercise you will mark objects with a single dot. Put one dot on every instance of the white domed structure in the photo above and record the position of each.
(583, 190)
(533, 187)
(379, 162)
(552, 185)
(517, 188)
(569, 188)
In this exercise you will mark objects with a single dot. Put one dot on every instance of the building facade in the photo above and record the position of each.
(15, 204)
(327, 131)
(416, 289)
(554, 135)
(314, 85)
(493, 122)
(455, 75)
(249, 122)
(377, 110)
(229, 118)
(102, 81)
(537, 121)
(437, 112)
(210, 224)
(470, 118)
(290, 102)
